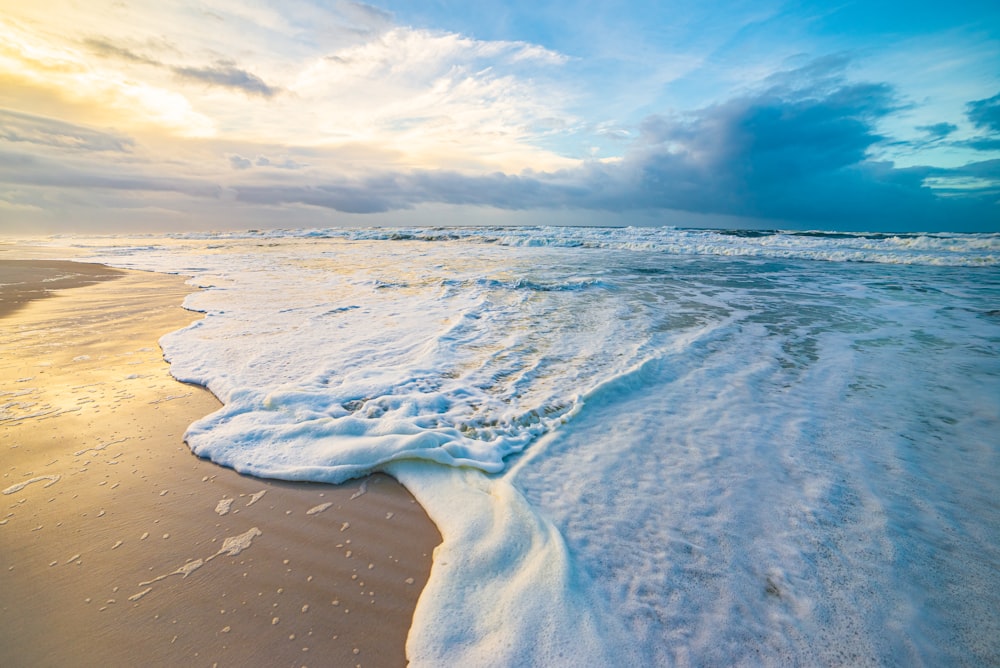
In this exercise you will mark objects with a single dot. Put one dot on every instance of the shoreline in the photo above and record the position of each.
(119, 546)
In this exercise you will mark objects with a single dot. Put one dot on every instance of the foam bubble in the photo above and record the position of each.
(50, 480)
(318, 509)
(222, 508)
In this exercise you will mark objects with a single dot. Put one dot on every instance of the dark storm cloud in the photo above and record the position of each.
(747, 156)
(796, 151)
(227, 75)
(16, 126)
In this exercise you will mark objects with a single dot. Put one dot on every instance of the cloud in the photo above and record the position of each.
(333, 74)
(985, 114)
(225, 74)
(106, 49)
(938, 130)
(38, 73)
(287, 163)
(754, 155)
(239, 162)
(437, 99)
(365, 18)
(20, 127)
(798, 150)
(33, 170)
(981, 143)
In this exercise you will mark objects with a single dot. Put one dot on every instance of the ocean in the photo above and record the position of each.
(642, 446)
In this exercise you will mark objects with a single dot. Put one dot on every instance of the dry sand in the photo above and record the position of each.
(119, 547)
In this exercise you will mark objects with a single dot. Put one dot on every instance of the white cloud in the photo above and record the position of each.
(28, 61)
(295, 75)
(436, 96)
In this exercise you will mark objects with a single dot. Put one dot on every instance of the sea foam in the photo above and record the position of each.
(642, 446)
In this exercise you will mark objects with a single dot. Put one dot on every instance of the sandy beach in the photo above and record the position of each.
(120, 547)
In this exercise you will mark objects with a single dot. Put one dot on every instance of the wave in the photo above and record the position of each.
(933, 249)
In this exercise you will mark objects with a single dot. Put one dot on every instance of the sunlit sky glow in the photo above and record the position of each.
(218, 114)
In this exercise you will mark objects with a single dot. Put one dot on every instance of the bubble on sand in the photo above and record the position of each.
(183, 571)
(136, 597)
(223, 506)
(189, 567)
(53, 479)
(318, 509)
(254, 498)
(361, 490)
(98, 448)
(235, 544)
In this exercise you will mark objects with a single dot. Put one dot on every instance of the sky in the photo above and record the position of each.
(134, 116)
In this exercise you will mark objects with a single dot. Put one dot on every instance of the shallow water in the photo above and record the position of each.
(649, 446)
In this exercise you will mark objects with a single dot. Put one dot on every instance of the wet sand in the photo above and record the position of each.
(120, 547)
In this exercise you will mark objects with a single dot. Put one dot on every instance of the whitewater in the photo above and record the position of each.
(642, 446)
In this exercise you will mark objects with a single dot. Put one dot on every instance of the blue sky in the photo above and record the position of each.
(219, 114)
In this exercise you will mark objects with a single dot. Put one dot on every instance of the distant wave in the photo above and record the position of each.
(938, 249)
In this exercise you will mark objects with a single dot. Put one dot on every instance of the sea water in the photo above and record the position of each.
(641, 446)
